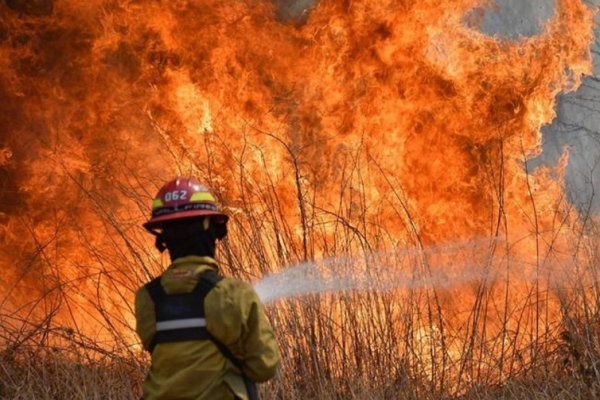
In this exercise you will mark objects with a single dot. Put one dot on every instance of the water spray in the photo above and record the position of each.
(445, 266)
(442, 266)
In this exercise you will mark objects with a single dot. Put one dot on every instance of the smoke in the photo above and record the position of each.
(514, 19)
(294, 11)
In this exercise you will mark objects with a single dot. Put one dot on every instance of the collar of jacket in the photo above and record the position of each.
(194, 261)
(182, 275)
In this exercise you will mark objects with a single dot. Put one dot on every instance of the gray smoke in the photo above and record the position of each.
(294, 11)
(515, 18)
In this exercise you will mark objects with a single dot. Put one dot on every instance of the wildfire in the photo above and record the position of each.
(370, 125)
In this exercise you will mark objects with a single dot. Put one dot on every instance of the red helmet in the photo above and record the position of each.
(183, 198)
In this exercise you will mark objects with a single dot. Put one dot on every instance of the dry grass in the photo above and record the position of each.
(47, 375)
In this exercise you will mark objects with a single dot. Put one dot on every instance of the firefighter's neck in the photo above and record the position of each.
(200, 248)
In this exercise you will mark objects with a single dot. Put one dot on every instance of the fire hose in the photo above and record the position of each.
(251, 388)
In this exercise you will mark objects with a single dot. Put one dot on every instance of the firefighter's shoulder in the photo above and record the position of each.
(231, 305)
(235, 290)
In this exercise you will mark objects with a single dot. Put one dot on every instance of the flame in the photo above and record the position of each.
(368, 125)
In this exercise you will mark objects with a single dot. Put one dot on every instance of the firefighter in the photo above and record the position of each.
(208, 336)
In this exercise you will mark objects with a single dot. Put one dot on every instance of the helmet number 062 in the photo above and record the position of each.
(176, 195)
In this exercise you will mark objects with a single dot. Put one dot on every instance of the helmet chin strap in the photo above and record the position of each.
(159, 242)
(219, 230)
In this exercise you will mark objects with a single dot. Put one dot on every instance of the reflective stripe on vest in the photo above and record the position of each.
(181, 324)
(180, 316)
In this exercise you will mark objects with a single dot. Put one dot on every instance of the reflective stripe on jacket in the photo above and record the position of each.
(196, 369)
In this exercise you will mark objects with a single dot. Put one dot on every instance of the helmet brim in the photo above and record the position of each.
(156, 223)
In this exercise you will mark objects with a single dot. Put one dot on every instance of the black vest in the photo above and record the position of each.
(180, 317)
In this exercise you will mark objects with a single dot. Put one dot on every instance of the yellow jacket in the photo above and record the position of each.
(197, 370)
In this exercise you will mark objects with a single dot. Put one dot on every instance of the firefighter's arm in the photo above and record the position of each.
(261, 353)
(239, 321)
(145, 320)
